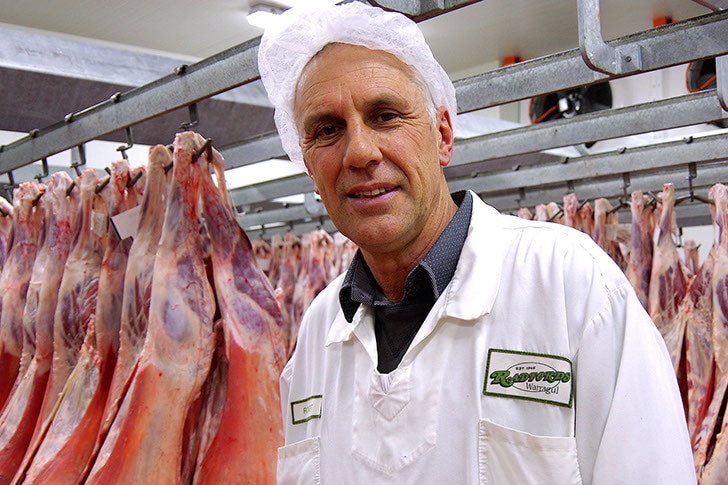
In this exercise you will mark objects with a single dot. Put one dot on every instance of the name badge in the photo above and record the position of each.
(306, 409)
(526, 375)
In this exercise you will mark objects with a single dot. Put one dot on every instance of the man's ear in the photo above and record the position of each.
(447, 137)
(310, 174)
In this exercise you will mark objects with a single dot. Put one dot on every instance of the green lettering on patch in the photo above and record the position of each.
(528, 375)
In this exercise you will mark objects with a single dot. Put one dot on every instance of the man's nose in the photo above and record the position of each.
(362, 148)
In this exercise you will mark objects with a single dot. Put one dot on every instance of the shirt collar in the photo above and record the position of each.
(434, 270)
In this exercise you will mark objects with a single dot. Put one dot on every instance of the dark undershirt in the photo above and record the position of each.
(396, 324)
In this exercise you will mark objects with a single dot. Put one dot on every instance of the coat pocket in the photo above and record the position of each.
(299, 463)
(510, 456)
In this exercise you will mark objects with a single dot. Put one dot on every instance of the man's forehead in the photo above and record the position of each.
(342, 52)
(327, 65)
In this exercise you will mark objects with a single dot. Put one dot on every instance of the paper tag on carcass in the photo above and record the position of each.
(127, 223)
(263, 264)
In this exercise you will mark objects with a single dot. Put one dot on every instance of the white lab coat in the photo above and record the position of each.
(526, 297)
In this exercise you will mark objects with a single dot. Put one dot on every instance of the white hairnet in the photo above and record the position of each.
(288, 45)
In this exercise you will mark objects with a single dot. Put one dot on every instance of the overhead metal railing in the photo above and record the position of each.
(667, 46)
(188, 84)
(589, 176)
(676, 112)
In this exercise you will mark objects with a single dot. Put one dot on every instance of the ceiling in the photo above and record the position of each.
(475, 35)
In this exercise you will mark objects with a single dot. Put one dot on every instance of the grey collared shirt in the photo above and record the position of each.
(397, 323)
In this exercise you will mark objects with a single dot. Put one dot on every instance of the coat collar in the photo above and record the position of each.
(474, 286)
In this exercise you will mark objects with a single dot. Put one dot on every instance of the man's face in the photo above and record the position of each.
(371, 147)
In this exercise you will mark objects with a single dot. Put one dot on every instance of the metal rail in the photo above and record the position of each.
(676, 112)
(590, 176)
(188, 84)
(666, 46)
(670, 45)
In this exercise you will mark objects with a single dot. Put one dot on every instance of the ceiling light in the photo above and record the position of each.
(263, 15)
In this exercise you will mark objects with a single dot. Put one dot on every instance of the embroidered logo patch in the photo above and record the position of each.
(306, 409)
(526, 375)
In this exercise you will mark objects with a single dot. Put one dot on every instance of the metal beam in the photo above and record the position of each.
(230, 68)
(274, 189)
(596, 53)
(251, 151)
(419, 10)
(659, 157)
(591, 176)
(673, 44)
(721, 71)
(612, 188)
(36, 51)
(664, 114)
(659, 115)
(675, 112)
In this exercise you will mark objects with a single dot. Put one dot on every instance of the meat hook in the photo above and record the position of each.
(37, 198)
(80, 151)
(44, 171)
(559, 213)
(129, 143)
(134, 179)
(205, 148)
(622, 204)
(103, 183)
(692, 196)
(194, 118)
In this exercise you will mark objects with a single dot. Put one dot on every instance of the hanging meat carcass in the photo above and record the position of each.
(145, 442)
(667, 281)
(586, 216)
(76, 306)
(137, 285)
(550, 212)
(68, 442)
(276, 257)
(286, 288)
(263, 256)
(691, 257)
(14, 281)
(603, 216)
(716, 468)
(571, 207)
(344, 250)
(524, 213)
(639, 266)
(696, 310)
(21, 413)
(6, 229)
(316, 257)
(242, 443)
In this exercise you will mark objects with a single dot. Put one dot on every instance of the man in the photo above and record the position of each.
(462, 345)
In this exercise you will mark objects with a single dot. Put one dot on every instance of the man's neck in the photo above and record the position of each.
(390, 269)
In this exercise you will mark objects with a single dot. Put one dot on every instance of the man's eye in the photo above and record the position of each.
(388, 116)
(326, 132)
